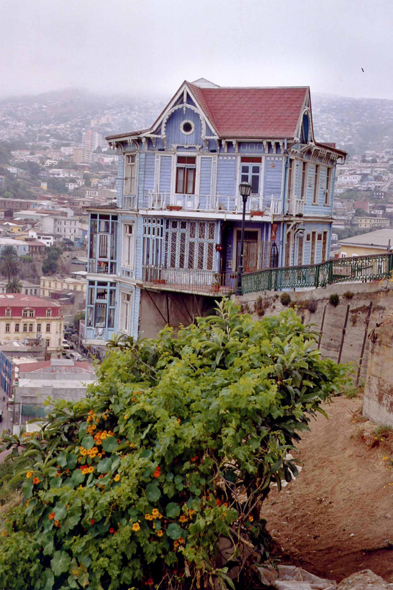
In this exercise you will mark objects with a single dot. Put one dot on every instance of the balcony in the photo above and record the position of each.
(203, 282)
(102, 267)
(130, 202)
(161, 201)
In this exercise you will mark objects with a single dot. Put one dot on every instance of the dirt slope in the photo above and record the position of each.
(337, 517)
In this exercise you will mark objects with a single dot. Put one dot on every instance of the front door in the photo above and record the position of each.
(250, 250)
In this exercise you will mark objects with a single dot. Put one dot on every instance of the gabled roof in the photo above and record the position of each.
(252, 112)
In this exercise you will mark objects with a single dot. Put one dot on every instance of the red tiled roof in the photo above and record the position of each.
(252, 112)
(82, 367)
(21, 300)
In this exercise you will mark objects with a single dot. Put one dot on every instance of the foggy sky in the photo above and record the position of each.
(149, 47)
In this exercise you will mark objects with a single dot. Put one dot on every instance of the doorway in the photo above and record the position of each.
(250, 250)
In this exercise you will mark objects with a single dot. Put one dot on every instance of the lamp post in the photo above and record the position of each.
(244, 190)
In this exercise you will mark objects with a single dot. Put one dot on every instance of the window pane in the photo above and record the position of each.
(201, 253)
(211, 231)
(255, 184)
(172, 262)
(100, 314)
(245, 169)
(201, 230)
(191, 254)
(180, 180)
(190, 181)
(210, 251)
(192, 229)
(244, 177)
(182, 254)
(255, 169)
(111, 318)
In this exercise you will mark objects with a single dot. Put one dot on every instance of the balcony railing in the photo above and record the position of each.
(295, 207)
(341, 270)
(130, 202)
(102, 267)
(190, 280)
(199, 202)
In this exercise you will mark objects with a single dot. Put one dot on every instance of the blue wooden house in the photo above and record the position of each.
(172, 240)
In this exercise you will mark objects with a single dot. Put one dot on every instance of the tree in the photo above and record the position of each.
(14, 286)
(9, 262)
(175, 446)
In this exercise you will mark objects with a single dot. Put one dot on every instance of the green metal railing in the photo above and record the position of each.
(340, 270)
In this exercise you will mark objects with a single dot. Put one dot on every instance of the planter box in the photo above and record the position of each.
(174, 208)
(159, 281)
(255, 213)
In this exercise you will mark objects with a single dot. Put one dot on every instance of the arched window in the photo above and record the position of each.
(304, 136)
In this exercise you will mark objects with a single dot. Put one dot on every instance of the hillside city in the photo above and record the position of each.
(56, 166)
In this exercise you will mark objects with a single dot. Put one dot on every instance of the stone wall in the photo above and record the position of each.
(344, 329)
(378, 394)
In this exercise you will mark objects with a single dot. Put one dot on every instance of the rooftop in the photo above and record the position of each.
(21, 300)
(380, 238)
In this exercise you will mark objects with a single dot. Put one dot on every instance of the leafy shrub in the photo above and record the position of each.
(285, 299)
(334, 299)
(348, 295)
(175, 446)
(27, 258)
(312, 305)
(260, 306)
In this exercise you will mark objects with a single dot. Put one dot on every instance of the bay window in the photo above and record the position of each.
(185, 175)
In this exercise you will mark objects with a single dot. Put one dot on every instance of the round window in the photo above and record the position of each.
(187, 127)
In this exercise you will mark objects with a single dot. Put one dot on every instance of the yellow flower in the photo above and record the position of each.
(83, 452)
(155, 513)
(251, 518)
(159, 533)
(132, 445)
(29, 474)
(385, 458)
(148, 517)
(136, 526)
(126, 417)
(91, 470)
(183, 519)
(117, 477)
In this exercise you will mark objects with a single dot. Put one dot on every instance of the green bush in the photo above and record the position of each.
(175, 446)
(26, 258)
(348, 295)
(285, 299)
(334, 299)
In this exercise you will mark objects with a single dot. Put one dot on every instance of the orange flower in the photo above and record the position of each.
(251, 518)
(136, 526)
(117, 477)
(150, 582)
(160, 533)
(36, 481)
(51, 516)
(148, 517)
(181, 540)
(157, 472)
(57, 523)
(183, 519)
(29, 474)
(155, 512)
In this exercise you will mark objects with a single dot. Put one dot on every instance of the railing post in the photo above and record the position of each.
(390, 263)
(317, 275)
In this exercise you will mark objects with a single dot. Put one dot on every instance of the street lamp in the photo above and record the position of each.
(245, 191)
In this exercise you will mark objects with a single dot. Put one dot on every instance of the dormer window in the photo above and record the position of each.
(304, 135)
(130, 175)
(187, 127)
(250, 172)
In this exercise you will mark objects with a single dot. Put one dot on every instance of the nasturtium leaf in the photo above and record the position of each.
(174, 531)
(60, 512)
(62, 459)
(31, 506)
(109, 444)
(72, 460)
(88, 442)
(172, 510)
(60, 562)
(55, 482)
(153, 492)
(169, 477)
(146, 454)
(77, 477)
(27, 488)
(82, 430)
(47, 580)
(104, 465)
(48, 547)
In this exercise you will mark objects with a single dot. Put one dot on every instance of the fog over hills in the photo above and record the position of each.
(354, 124)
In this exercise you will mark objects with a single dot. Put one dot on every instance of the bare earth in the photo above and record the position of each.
(337, 517)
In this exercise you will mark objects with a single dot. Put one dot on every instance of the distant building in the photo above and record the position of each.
(65, 227)
(370, 222)
(49, 285)
(23, 316)
(91, 140)
(375, 242)
(22, 248)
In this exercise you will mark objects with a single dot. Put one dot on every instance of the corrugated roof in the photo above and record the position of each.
(379, 238)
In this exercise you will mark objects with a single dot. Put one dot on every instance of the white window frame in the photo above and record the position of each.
(126, 311)
(128, 245)
(130, 174)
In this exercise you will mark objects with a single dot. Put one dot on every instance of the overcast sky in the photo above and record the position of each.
(151, 46)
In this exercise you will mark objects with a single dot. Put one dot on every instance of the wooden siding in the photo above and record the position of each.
(273, 179)
(174, 135)
(138, 247)
(319, 208)
(226, 177)
(119, 183)
(205, 181)
(165, 173)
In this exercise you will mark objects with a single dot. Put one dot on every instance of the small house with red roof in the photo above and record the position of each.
(174, 233)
